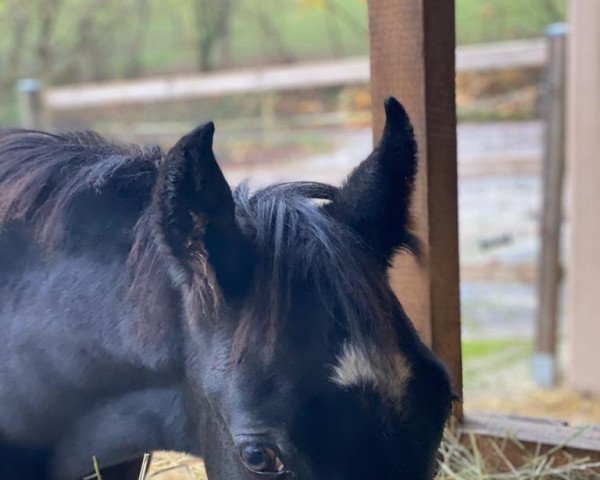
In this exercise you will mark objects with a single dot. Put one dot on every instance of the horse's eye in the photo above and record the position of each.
(261, 459)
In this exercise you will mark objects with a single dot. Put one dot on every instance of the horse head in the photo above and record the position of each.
(302, 361)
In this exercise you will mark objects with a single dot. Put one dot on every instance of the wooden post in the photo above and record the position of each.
(30, 105)
(583, 137)
(549, 266)
(412, 58)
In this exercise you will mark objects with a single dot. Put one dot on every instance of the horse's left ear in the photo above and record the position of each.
(197, 209)
(376, 198)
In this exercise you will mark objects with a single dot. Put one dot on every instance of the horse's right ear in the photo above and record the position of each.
(197, 211)
(375, 200)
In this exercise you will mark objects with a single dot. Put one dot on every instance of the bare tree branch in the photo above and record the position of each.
(554, 11)
(213, 18)
(333, 29)
(142, 13)
(18, 22)
(48, 11)
(274, 37)
(344, 16)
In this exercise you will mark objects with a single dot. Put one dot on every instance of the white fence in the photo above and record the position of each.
(351, 71)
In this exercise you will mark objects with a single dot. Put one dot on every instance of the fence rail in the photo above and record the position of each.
(351, 71)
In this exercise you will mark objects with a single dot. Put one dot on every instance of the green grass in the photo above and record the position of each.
(495, 366)
(493, 20)
(479, 349)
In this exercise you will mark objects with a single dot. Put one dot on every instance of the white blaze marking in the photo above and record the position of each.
(366, 366)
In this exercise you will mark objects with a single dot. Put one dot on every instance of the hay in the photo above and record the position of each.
(176, 466)
(458, 461)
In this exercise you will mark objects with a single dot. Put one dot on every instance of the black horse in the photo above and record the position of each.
(145, 306)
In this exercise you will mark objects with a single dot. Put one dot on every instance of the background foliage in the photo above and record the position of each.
(69, 41)
(62, 41)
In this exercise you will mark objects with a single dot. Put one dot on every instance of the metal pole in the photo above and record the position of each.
(549, 266)
(30, 104)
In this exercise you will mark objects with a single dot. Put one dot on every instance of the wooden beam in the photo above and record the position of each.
(529, 53)
(550, 269)
(505, 441)
(583, 286)
(256, 80)
(348, 71)
(30, 105)
(412, 58)
(537, 431)
(498, 272)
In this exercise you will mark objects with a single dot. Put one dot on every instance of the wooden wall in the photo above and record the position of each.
(583, 268)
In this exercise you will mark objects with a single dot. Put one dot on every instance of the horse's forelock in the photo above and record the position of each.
(297, 239)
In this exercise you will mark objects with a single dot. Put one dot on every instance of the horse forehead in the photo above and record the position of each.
(365, 365)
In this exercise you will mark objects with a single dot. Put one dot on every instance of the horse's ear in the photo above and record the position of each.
(196, 207)
(376, 198)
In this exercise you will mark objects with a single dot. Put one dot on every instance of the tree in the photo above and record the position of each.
(212, 18)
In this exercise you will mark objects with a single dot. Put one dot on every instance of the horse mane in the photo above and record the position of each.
(80, 185)
(44, 176)
(78, 191)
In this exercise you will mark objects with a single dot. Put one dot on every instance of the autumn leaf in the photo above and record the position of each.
(314, 4)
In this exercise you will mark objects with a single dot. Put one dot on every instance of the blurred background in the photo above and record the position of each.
(287, 82)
